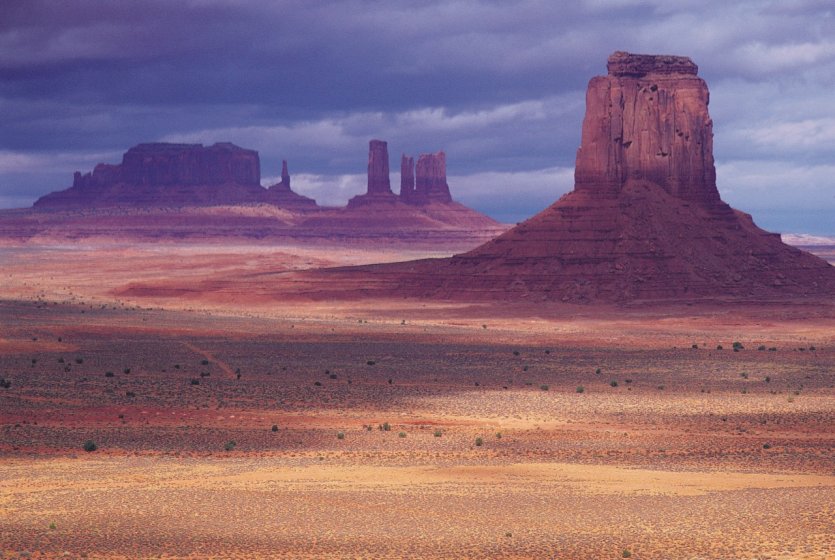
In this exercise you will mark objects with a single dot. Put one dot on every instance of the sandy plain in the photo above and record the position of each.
(604, 433)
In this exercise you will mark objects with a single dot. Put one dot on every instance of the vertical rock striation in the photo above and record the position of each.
(430, 178)
(647, 120)
(407, 179)
(378, 168)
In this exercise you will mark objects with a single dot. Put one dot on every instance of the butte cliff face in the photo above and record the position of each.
(169, 175)
(647, 120)
(425, 183)
(644, 222)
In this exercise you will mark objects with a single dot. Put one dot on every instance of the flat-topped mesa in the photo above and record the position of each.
(177, 164)
(176, 175)
(648, 121)
(622, 63)
(407, 179)
(430, 178)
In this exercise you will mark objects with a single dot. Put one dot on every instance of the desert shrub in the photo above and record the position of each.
(772, 349)
(660, 387)
(386, 427)
(176, 366)
(333, 376)
(90, 446)
(126, 370)
(719, 347)
(766, 446)
(598, 371)
(544, 387)
(52, 526)
(761, 348)
(230, 445)
(340, 435)
(60, 360)
(401, 434)
(628, 380)
(613, 383)
(108, 374)
(370, 362)
(130, 394)
(479, 442)
(626, 553)
(695, 346)
(5, 383)
(195, 382)
(79, 360)
(204, 362)
(317, 383)
(438, 433)
(767, 379)
(205, 374)
(737, 346)
(743, 375)
(516, 352)
(580, 389)
(498, 435)
(275, 427)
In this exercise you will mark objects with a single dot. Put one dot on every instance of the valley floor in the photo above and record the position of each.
(243, 426)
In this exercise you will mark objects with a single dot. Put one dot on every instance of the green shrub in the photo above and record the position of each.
(90, 446)
(340, 435)
(580, 389)
(275, 427)
(544, 387)
(386, 427)
(438, 433)
(626, 553)
(613, 383)
(479, 442)
(230, 445)
(401, 434)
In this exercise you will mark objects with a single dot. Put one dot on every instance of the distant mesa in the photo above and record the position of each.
(176, 175)
(644, 222)
(165, 191)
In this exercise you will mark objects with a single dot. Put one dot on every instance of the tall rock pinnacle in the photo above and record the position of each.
(285, 174)
(378, 168)
(647, 120)
(407, 178)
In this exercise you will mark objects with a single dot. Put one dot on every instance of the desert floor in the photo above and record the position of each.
(232, 424)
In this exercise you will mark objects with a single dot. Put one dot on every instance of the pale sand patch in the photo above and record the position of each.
(58, 475)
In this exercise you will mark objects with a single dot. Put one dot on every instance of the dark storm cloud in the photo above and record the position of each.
(497, 84)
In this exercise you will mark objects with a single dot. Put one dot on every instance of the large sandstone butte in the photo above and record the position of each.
(174, 175)
(644, 221)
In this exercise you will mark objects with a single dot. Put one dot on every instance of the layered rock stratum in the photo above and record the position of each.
(644, 221)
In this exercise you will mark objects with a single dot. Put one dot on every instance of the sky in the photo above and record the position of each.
(497, 84)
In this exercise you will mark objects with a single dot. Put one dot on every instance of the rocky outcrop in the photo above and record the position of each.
(430, 178)
(175, 175)
(647, 120)
(378, 168)
(177, 164)
(407, 179)
(379, 183)
(644, 222)
(282, 195)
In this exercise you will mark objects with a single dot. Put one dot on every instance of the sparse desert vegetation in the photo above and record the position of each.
(446, 446)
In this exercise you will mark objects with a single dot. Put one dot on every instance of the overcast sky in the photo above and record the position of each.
(499, 85)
